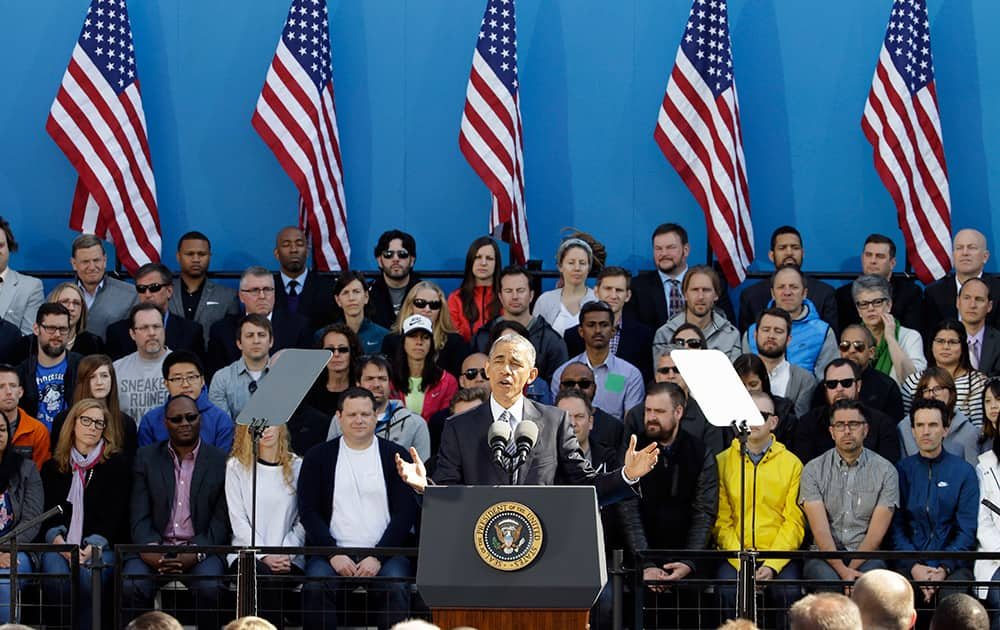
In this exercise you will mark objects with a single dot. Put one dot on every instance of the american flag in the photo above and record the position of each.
(699, 132)
(903, 125)
(297, 119)
(490, 137)
(98, 122)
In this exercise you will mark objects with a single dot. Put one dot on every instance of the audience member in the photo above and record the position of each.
(878, 257)
(475, 302)
(296, 289)
(249, 623)
(958, 611)
(348, 496)
(969, 256)
(770, 341)
(824, 611)
(988, 530)
(278, 523)
(95, 378)
(140, 374)
(701, 288)
(752, 371)
(194, 296)
(607, 429)
(427, 299)
(619, 383)
(153, 286)
(341, 368)
(89, 478)
(395, 255)
(560, 307)
(848, 494)
(657, 294)
(899, 350)
(30, 437)
(350, 292)
(79, 340)
(885, 599)
(950, 352)
(975, 303)
(233, 385)
(962, 437)
(473, 375)
(991, 414)
(786, 249)
(877, 389)
(934, 477)
(49, 373)
(21, 499)
(154, 620)
(580, 413)
(108, 300)
(417, 378)
(183, 375)
(163, 473)
(515, 298)
(13, 347)
(21, 295)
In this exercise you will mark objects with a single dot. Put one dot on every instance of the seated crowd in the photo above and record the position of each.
(879, 399)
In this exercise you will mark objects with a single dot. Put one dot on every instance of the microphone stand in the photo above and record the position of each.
(746, 576)
(11, 538)
(246, 564)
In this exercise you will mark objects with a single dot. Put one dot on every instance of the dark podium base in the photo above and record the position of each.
(512, 618)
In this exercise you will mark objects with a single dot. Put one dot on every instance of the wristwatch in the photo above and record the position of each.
(200, 557)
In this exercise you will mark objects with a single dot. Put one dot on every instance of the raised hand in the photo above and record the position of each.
(414, 475)
(640, 463)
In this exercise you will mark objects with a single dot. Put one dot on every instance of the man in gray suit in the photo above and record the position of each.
(465, 456)
(108, 300)
(20, 295)
(195, 297)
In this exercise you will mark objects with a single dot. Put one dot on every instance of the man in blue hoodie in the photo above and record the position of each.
(939, 502)
(183, 374)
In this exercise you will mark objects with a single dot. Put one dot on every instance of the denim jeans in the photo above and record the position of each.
(57, 589)
(23, 566)
(319, 597)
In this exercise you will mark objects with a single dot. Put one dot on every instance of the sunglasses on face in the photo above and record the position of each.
(859, 346)
(434, 305)
(151, 288)
(694, 343)
(668, 369)
(190, 418)
(472, 373)
(831, 383)
(338, 349)
(401, 254)
(583, 383)
(767, 415)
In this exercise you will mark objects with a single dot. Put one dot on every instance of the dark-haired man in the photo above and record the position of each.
(297, 289)
(48, 375)
(194, 296)
(20, 295)
(878, 257)
(140, 374)
(395, 255)
(233, 385)
(878, 390)
(772, 334)
(975, 303)
(786, 249)
(606, 428)
(153, 286)
(108, 300)
(28, 437)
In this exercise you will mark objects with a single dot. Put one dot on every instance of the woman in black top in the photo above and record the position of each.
(95, 378)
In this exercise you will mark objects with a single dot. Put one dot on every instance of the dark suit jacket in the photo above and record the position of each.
(106, 511)
(215, 302)
(380, 302)
(316, 302)
(181, 334)
(633, 345)
(989, 355)
(465, 456)
(878, 391)
(756, 297)
(154, 489)
(648, 305)
(907, 304)
(315, 494)
(608, 430)
(290, 331)
(940, 299)
(12, 348)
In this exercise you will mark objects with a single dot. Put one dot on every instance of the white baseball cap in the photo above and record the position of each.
(417, 322)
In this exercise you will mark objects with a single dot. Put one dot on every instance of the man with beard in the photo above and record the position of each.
(619, 383)
(140, 375)
(772, 334)
(194, 296)
(842, 381)
(298, 290)
(702, 289)
(48, 375)
(395, 254)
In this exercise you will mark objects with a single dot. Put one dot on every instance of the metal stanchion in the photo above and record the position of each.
(96, 584)
(617, 588)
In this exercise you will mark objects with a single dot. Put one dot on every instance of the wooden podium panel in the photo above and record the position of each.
(512, 618)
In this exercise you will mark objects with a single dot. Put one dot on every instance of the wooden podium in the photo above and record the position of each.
(511, 557)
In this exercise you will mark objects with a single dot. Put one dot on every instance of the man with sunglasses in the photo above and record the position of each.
(395, 255)
(153, 286)
(183, 375)
(48, 375)
(607, 429)
(877, 389)
(842, 381)
(772, 332)
(108, 300)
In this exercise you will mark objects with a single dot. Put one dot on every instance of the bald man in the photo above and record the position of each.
(296, 288)
(885, 599)
(969, 256)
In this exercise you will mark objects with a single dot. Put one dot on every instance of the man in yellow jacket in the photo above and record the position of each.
(772, 516)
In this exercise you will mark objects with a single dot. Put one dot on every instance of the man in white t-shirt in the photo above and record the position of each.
(349, 496)
(140, 374)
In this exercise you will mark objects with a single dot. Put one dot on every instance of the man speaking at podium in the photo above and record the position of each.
(465, 456)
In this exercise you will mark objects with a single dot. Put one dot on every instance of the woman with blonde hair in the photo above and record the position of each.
(80, 340)
(427, 299)
(278, 523)
(91, 479)
(95, 378)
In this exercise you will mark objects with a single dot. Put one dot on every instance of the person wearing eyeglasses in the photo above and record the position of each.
(427, 300)
(108, 299)
(140, 374)
(772, 332)
(290, 330)
(842, 381)
(848, 494)
(89, 476)
(395, 255)
(878, 257)
(183, 375)
(195, 297)
(899, 351)
(153, 286)
(877, 389)
(178, 498)
(963, 436)
(48, 375)
(80, 340)
(233, 385)
(341, 370)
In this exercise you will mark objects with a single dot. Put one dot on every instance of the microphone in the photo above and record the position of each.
(499, 437)
(525, 436)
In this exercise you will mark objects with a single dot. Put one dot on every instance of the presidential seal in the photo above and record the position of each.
(508, 536)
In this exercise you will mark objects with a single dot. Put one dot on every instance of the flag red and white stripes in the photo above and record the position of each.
(490, 137)
(97, 121)
(902, 123)
(297, 119)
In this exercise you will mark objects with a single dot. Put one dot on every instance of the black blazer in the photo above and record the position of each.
(756, 297)
(989, 354)
(153, 491)
(380, 302)
(316, 301)
(907, 304)
(940, 303)
(648, 305)
(181, 334)
(290, 331)
(315, 494)
(105, 511)
(633, 345)
(465, 456)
